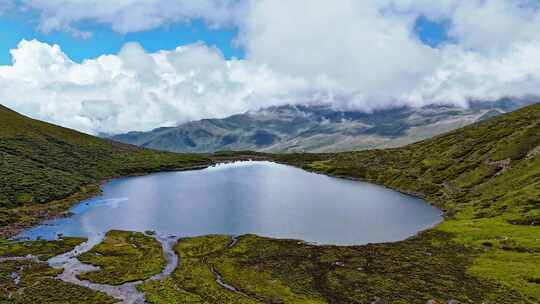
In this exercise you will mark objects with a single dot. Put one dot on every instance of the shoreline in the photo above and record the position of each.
(9, 231)
(98, 192)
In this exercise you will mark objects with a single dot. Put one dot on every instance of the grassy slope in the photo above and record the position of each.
(485, 176)
(44, 168)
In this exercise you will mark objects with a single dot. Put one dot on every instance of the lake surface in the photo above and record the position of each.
(263, 198)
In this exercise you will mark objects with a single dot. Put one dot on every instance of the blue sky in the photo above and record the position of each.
(432, 33)
(105, 41)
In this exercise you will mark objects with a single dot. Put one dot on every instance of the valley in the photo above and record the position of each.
(485, 177)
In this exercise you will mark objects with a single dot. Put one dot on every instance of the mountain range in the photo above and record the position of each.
(317, 128)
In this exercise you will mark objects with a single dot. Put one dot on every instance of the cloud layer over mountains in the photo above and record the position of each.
(362, 54)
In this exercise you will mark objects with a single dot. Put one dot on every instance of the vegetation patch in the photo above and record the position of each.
(28, 282)
(518, 270)
(41, 249)
(205, 275)
(263, 270)
(124, 257)
(193, 280)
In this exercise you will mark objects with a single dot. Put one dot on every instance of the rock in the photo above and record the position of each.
(378, 301)
(534, 152)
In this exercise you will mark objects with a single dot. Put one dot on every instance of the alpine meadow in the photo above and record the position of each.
(269, 152)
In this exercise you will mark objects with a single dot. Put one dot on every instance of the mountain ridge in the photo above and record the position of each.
(316, 128)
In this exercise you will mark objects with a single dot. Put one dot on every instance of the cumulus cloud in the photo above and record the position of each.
(135, 89)
(362, 54)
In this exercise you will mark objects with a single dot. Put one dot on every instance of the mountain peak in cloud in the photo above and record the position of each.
(354, 54)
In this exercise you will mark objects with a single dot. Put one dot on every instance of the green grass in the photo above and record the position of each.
(267, 270)
(43, 164)
(38, 285)
(194, 281)
(41, 249)
(124, 257)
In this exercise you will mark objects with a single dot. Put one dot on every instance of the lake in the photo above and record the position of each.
(262, 198)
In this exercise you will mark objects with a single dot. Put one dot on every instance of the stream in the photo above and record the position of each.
(126, 293)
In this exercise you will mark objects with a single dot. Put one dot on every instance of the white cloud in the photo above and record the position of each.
(132, 15)
(135, 89)
(348, 47)
(366, 53)
(467, 75)
(361, 54)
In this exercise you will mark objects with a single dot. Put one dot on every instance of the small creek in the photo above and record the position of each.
(127, 293)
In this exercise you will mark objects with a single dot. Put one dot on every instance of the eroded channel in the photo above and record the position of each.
(126, 293)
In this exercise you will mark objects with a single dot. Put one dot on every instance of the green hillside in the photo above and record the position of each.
(43, 167)
(487, 179)
(490, 168)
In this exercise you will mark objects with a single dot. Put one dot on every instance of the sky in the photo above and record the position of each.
(103, 66)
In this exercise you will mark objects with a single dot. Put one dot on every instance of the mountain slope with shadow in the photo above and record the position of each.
(316, 128)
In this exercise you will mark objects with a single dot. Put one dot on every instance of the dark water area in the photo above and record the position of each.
(262, 198)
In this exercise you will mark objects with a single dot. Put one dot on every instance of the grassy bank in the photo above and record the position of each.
(41, 249)
(46, 168)
(124, 257)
